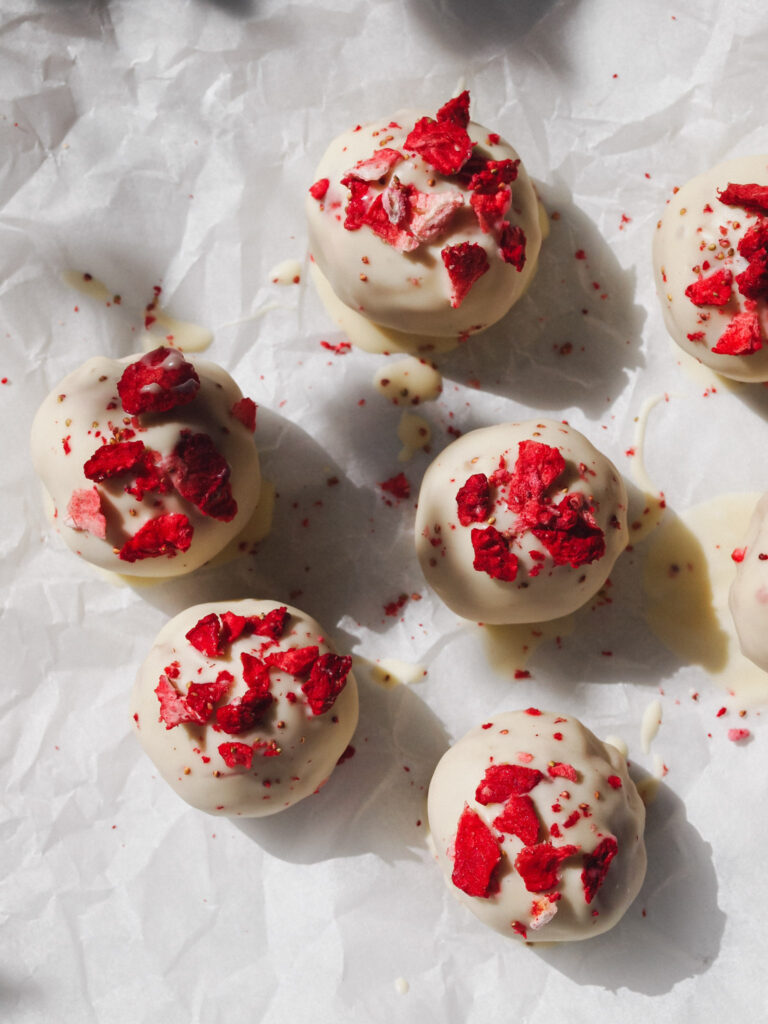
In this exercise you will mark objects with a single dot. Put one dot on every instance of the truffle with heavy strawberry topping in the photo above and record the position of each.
(149, 461)
(748, 596)
(520, 522)
(710, 257)
(243, 707)
(425, 225)
(537, 827)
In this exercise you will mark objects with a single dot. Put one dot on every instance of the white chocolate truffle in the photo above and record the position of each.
(149, 461)
(748, 598)
(537, 827)
(384, 222)
(520, 522)
(709, 254)
(276, 710)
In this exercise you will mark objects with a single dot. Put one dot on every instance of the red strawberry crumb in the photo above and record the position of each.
(614, 781)
(206, 636)
(444, 144)
(501, 781)
(492, 554)
(319, 189)
(721, 712)
(714, 290)
(349, 751)
(738, 554)
(236, 755)
(571, 820)
(244, 410)
(532, 711)
(512, 243)
(398, 486)
(751, 197)
(161, 380)
(113, 459)
(200, 474)
(596, 866)
(465, 263)
(741, 337)
(456, 110)
(519, 819)
(295, 661)
(394, 607)
(522, 673)
(520, 929)
(84, 509)
(476, 856)
(735, 735)
(326, 681)
(564, 771)
(473, 500)
(538, 865)
(164, 535)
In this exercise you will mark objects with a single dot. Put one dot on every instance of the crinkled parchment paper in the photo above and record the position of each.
(170, 144)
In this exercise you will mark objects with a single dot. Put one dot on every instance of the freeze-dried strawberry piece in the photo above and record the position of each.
(377, 166)
(164, 535)
(271, 624)
(456, 110)
(360, 199)
(537, 467)
(492, 175)
(236, 755)
(753, 282)
(538, 865)
(200, 473)
(476, 855)
(473, 500)
(84, 511)
(492, 554)
(751, 197)
(232, 626)
(735, 735)
(295, 661)
(501, 781)
(379, 221)
(245, 411)
(206, 636)
(201, 698)
(570, 532)
(326, 681)
(243, 713)
(398, 486)
(519, 819)
(714, 290)
(444, 145)
(396, 202)
(741, 337)
(490, 208)
(465, 263)
(614, 781)
(159, 381)
(149, 475)
(113, 459)
(255, 673)
(755, 241)
(173, 708)
(431, 212)
(512, 245)
(596, 866)
(559, 770)
(319, 189)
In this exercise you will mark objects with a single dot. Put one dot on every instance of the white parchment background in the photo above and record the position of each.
(171, 144)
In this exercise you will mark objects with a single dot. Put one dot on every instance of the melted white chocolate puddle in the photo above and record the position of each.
(509, 647)
(687, 574)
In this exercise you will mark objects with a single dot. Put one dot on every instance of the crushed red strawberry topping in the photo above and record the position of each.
(319, 189)
(84, 510)
(255, 673)
(456, 110)
(492, 554)
(206, 636)
(750, 197)
(491, 208)
(398, 486)
(741, 337)
(444, 145)
(476, 856)
(295, 661)
(570, 532)
(113, 459)
(512, 244)
(196, 707)
(203, 697)
(244, 410)
(501, 781)
(163, 536)
(519, 819)
(473, 500)
(614, 781)
(200, 473)
(327, 679)
(159, 381)
(714, 290)
(538, 865)
(562, 771)
(465, 263)
(596, 866)
(236, 755)
(243, 713)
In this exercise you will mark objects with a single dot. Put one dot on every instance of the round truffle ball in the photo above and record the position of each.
(710, 255)
(243, 706)
(520, 522)
(537, 827)
(748, 597)
(425, 225)
(149, 461)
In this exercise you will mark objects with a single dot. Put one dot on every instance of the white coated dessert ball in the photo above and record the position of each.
(149, 461)
(423, 225)
(710, 255)
(748, 598)
(243, 706)
(520, 522)
(537, 827)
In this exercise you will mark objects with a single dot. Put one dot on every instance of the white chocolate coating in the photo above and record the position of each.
(187, 755)
(518, 738)
(410, 291)
(687, 244)
(748, 597)
(82, 411)
(444, 546)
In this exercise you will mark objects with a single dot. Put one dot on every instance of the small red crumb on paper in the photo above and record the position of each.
(738, 734)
